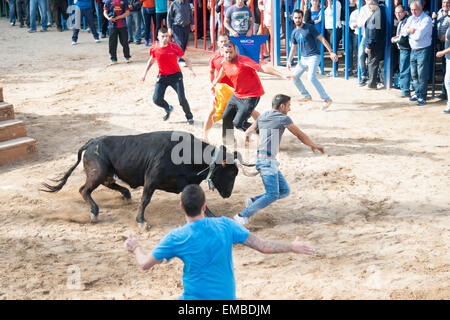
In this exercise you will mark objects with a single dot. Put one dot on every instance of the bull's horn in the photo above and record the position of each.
(244, 171)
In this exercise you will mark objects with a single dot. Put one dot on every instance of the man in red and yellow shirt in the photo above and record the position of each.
(166, 54)
(223, 91)
(242, 72)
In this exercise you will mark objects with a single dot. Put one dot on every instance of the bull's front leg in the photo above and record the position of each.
(147, 194)
(209, 213)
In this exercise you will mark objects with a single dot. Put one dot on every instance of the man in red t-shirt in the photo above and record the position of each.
(166, 54)
(242, 72)
(215, 64)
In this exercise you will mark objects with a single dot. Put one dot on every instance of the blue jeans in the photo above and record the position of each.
(420, 71)
(43, 11)
(362, 58)
(404, 70)
(12, 11)
(274, 183)
(137, 17)
(89, 18)
(149, 16)
(311, 63)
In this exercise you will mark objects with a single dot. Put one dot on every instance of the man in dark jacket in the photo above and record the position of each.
(375, 29)
(180, 21)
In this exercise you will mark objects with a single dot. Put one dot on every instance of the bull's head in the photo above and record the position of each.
(226, 172)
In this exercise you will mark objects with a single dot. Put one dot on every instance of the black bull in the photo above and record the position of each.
(165, 160)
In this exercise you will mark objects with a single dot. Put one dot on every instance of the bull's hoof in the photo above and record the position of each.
(127, 195)
(94, 218)
(144, 226)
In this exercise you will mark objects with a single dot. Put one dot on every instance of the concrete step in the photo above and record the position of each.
(17, 149)
(12, 129)
(6, 111)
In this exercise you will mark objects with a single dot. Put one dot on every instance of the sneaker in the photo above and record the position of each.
(305, 99)
(127, 60)
(31, 31)
(446, 110)
(404, 95)
(190, 122)
(420, 101)
(103, 35)
(326, 104)
(413, 98)
(43, 30)
(113, 62)
(167, 115)
(130, 41)
(147, 43)
(74, 43)
(248, 202)
(380, 86)
(12, 24)
(138, 42)
(97, 40)
(240, 220)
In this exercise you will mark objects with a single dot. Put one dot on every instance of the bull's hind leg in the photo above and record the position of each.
(147, 194)
(95, 175)
(111, 183)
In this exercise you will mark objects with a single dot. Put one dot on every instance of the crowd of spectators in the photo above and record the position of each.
(414, 28)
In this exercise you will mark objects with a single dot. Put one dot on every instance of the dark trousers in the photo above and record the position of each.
(180, 36)
(329, 38)
(160, 17)
(122, 34)
(103, 20)
(89, 18)
(375, 65)
(237, 112)
(59, 7)
(149, 16)
(23, 10)
(176, 82)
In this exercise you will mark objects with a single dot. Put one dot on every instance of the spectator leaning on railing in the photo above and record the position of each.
(419, 29)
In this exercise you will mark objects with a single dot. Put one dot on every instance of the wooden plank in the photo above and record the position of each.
(17, 149)
(12, 129)
(6, 111)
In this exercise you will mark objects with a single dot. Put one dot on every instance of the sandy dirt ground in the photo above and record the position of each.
(376, 206)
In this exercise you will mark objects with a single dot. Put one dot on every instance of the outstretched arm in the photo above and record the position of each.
(304, 138)
(149, 65)
(333, 56)
(269, 246)
(145, 261)
(266, 68)
(188, 64)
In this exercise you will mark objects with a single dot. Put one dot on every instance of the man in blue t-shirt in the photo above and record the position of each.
(205, 246)
(304, 36)
(250, 46)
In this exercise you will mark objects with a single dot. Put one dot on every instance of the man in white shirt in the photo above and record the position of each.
(419, 28)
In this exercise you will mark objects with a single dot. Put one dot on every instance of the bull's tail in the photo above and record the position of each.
(63, 180)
